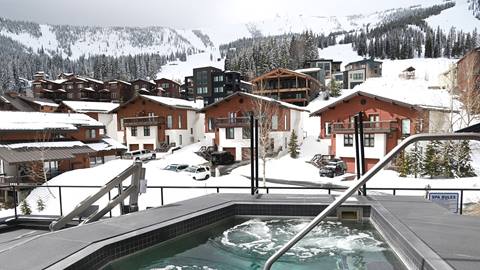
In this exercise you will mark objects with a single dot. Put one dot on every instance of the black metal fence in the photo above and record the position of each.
(218, 189)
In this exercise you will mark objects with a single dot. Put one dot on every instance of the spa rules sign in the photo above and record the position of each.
(447, 200)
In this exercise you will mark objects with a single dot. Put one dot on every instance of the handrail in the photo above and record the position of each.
(363, 180)
(134, 170)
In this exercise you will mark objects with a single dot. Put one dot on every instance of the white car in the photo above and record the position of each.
(198, 172)
(140, 155)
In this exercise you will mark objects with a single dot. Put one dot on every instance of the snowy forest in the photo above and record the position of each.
(403, 34)
(19, 65)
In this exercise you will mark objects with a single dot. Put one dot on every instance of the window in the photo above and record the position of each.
(369, 140)
(70, 95)
(169, 121)
(230, 133)
(285, 126)
(246, 134)
(406, 127)
(210, 124)
(146, 131)
(348, 140)
(114, 95)
(80, 85)
(217, 99)
(179, 121)
(218, 78)
(274, 122)
(165, 85)
(39, 86)
(358, 76)
(133, 131)
(90, 133)
(374, 120)
(202, 90)
(69, 86)
(136, 87)
(328, 129)
(218, 89)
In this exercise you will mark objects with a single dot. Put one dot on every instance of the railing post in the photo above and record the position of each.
(252, 155)
(60, 199)
(461, 202)
(218, 190)
(15, 202)
(109, 199)
(256, 155)
(161, 195)
(362, 149)
(394, 192)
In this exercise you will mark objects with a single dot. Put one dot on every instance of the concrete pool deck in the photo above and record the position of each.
(424, 234)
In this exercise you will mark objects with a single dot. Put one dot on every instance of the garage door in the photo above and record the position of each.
(231, 150)
(133, 147)
(148, 146)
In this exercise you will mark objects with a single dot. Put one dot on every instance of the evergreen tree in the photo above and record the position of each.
(431, 160)
(25, 208)
(415, 157)
(334, 88)
(448, 161)
(40, 205)
(464, 167)
(293, 145)
(403, 163)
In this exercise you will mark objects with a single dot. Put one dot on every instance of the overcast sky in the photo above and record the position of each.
(180, 13)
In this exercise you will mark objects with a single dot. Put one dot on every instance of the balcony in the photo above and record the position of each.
(143, 121)
(232, 122)
(368, 127)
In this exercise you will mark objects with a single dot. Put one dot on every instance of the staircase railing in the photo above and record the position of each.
(363, 180)
(137, 173)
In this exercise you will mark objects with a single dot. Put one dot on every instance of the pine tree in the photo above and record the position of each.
(464, 167)
(448, 161)
(403, 163)
(415, 157)
(293, 145)
(40, 205)
(430, 163)
(335, 90)
(25, 208)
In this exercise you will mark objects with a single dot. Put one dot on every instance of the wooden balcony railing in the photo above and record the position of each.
(143, 121)
(368, 127)
(232, 122)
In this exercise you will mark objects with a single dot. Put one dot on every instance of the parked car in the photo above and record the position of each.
(198, 172)
(140, 155)
(334, 167)
(176, 167)
(222, 158)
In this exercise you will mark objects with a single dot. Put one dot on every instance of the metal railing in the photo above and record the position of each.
(362, 181)
(377, 126)
(163, 199)
(232, 122)
(135, 171)
(143, 121)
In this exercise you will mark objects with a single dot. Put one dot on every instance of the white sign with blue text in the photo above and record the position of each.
(448, 200)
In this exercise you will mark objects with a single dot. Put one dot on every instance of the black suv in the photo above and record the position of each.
(222, 158)
(332, 168)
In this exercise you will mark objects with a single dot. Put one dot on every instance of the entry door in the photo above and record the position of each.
(374, 120)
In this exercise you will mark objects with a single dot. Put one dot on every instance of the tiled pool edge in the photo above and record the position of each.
(412, 251)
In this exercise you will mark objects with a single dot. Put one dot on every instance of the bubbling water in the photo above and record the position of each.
(260, 238)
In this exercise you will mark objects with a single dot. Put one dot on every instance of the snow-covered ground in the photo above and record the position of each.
(458, 16)
(178, 70)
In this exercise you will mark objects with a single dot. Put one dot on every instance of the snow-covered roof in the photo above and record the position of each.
(175, 102)
(107, 144)
(281, 103)
(45, 103)
(303, 70)
(245, 82)
(44, 145)
(41, 121)
(90, 106)
(93, 80)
